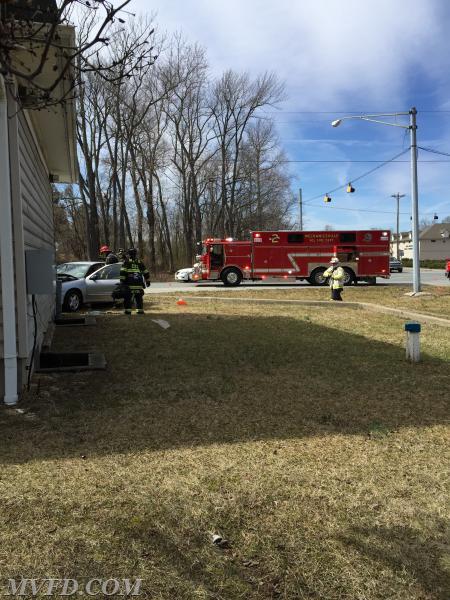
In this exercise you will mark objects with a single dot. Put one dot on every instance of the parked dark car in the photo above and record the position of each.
(395, 265)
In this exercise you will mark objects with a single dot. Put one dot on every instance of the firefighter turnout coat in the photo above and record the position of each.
(336, 276)
(133, 274)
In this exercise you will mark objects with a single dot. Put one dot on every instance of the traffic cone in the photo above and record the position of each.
(181, 302)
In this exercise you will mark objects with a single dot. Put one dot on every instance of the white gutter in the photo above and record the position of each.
(7, 258)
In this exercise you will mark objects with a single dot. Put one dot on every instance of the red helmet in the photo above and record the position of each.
(104, 249)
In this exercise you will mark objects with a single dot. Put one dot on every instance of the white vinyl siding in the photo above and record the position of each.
(37, 224)
(37, 210)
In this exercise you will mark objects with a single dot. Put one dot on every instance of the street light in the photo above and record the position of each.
(414, 187)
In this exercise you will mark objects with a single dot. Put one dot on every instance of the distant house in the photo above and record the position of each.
(434, 243)
(37, 147)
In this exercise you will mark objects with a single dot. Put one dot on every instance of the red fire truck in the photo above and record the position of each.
(364, 255)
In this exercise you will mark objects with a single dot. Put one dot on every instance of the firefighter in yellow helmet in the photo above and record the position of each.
(134, 277)
(335, 274)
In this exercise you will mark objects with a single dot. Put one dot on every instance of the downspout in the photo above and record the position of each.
(7, 258)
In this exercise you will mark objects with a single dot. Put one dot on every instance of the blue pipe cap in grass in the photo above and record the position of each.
(412, 326)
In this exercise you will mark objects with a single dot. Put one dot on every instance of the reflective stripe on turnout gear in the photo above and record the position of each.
(133, 273)
(336, 276)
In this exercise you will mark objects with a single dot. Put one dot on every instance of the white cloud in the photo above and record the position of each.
(328, 50)
(349, 55)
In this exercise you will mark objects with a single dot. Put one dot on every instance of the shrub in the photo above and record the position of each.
(425, 264)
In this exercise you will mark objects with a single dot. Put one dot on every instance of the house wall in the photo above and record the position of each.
(437, 250)
(33, 229)
(37, 218)
(434, 250)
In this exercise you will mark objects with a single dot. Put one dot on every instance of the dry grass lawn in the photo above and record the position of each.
(299, 434)
(438, 303)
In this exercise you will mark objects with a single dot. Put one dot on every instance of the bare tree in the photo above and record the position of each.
(193, 134)
(33, 43)
(235, 100)
(107, 113)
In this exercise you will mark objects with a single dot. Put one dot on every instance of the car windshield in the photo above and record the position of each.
(77, 270)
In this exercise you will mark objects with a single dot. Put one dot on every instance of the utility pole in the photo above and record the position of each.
(398, 196)
(414, 201)
(300, 205)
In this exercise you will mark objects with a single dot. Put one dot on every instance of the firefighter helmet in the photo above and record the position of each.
(104, 249)
(334, 260)
(132, 253)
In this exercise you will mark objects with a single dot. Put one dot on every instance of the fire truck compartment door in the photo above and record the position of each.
(280, 262)
(260, 260)
(216, 256)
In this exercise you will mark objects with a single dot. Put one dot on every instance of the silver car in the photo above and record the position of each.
(82, 286)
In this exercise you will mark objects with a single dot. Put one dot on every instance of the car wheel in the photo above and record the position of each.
(72, 301)
(317, 278)
(231, 277)
(349, 276)
(400, 270)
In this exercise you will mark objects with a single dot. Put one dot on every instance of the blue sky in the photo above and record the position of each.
(339, 57)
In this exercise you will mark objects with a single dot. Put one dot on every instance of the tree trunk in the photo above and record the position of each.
(165, 225)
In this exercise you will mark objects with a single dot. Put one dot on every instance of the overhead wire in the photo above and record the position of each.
(349, 160)
(354, 179)
(344, 112)
(393, 159)
(433, 151)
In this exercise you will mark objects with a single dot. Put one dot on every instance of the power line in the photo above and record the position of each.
(344, 112)
(433, 151)
(353, 179)
(350, 160)
(367, 210)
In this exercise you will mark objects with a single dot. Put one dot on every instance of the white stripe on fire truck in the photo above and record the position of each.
(272, 270)
(308, 254)
(312, 255)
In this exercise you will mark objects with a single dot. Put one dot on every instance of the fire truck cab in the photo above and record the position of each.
(300, 255)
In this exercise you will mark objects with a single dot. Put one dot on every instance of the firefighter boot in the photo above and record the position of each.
(139, 300)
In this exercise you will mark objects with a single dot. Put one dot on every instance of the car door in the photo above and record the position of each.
(100, 285)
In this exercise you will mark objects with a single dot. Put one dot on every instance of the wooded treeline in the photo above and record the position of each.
(170, 154)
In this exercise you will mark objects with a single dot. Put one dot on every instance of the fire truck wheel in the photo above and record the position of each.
(317, 278)
(231, 277)
(349, 276)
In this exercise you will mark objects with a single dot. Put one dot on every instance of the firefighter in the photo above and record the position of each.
(122, 255)
(133, 274)
(335, 274)
(108, 255)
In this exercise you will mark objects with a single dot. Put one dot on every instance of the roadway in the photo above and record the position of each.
(428, 277)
